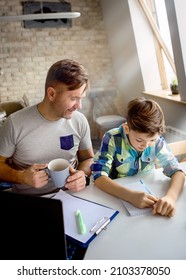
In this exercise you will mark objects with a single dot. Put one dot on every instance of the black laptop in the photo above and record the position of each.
(32, 228)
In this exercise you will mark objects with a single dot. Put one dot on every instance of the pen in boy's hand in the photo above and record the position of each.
(80, 222)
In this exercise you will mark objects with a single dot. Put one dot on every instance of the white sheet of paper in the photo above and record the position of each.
(132, 210)
(91, 213)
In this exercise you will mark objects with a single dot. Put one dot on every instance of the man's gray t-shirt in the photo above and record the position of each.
(27, 138)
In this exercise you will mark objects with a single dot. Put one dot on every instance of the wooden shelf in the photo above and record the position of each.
(166, 94)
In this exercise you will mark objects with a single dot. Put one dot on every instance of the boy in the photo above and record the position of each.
(136, 146)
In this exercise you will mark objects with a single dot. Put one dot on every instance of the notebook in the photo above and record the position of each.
(132, 210)
(32, 228)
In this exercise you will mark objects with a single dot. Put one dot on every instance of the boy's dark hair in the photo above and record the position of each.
(69, 72)
(145, 116)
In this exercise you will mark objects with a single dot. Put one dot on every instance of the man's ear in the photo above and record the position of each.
(126, 128)
(51, 93)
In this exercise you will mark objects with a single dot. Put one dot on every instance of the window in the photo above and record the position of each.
(155, 11)
(167, 20)
(163, 25)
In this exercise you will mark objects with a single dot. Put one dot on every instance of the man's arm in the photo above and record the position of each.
(77, 181)
(9, 174)
(33, 176)
(85, 159)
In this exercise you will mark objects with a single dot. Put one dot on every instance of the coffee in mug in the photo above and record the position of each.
(59, 171)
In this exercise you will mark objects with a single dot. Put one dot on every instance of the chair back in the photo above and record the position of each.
(11, 106)
(103, 103)
(178, 148)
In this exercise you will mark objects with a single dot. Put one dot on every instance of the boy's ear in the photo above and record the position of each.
(126, 128)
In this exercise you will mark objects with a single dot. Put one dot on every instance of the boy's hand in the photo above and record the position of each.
(143, 199)
(165, 206)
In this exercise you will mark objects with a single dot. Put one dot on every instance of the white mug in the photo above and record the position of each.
(59, 171)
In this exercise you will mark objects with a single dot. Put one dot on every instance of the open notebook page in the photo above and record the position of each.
(132, 210)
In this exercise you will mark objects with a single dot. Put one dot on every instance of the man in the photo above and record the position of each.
(35, 135)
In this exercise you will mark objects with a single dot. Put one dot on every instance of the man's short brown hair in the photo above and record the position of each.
(68, 72)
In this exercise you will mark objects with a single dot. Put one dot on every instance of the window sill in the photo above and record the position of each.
(165, 94)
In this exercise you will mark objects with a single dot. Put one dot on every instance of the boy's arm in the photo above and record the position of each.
(176, 185)
(166, 205)
(137, 198)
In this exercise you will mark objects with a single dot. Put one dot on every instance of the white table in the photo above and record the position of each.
(145, 237)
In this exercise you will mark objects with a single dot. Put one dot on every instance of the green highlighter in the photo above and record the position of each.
(80, 223)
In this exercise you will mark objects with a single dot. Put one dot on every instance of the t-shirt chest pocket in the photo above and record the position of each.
(66, 142)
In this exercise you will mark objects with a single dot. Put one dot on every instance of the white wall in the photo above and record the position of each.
(180, 6)
(122, 43)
